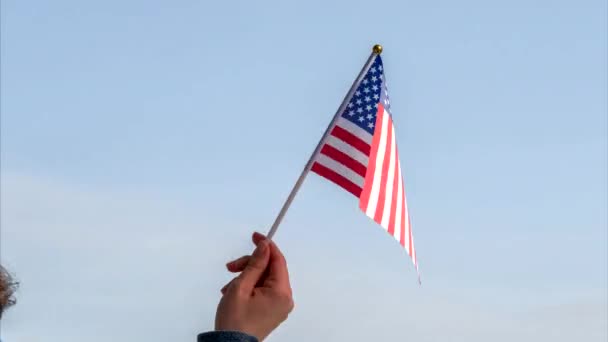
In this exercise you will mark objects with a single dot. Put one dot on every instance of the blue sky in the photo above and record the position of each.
(143, 141)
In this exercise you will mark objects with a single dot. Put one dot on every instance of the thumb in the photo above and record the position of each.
(256, 266)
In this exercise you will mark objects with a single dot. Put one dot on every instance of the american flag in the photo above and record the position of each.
(361, 156)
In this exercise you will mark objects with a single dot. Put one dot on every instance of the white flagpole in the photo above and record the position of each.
(377, 50)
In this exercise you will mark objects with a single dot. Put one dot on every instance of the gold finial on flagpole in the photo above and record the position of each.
(377, 49)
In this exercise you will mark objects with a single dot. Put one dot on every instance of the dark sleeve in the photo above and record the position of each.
(225, 336)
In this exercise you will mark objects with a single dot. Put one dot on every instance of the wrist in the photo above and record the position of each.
(226, 336)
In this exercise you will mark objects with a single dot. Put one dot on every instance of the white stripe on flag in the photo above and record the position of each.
(340, 169)
(347, 149)
(390, 180)
(355, 130)
(373, 196)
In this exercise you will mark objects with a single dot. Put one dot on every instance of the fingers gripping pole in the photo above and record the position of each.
(377, 50)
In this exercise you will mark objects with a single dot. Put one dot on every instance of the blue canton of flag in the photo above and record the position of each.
(363, 107)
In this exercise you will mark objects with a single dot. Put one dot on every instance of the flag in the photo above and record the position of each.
(360, 155)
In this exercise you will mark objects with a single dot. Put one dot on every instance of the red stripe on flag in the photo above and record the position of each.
(351, 139)
(409, 228)
(336, 178)
(343, 159)
(371, 165)
(384, 176)
(391, 221)
(403, 214)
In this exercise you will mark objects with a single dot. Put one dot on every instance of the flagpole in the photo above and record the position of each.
(376, 50)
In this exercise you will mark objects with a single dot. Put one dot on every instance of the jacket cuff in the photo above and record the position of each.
(225, 336)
